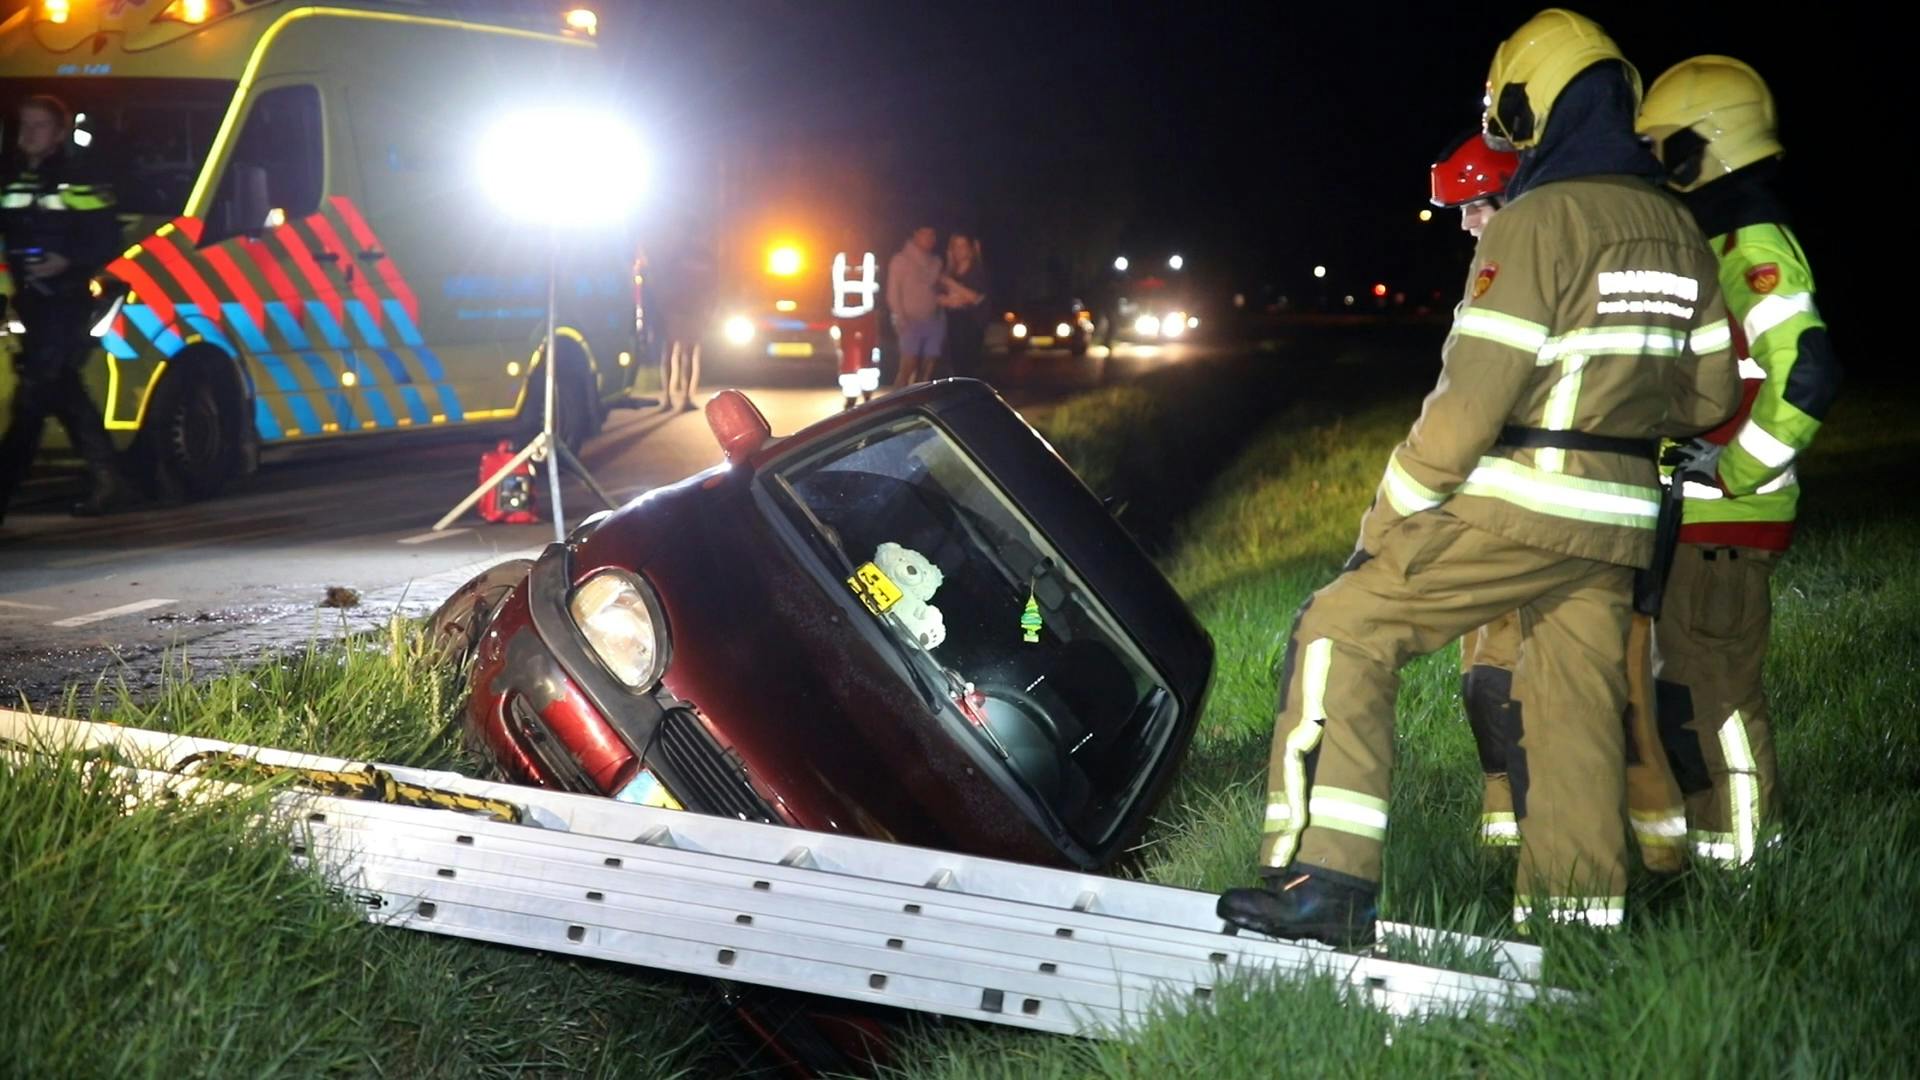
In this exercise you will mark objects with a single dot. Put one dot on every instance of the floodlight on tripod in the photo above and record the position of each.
(568, 171)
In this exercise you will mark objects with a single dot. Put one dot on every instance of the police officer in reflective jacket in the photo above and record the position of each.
(59, 228)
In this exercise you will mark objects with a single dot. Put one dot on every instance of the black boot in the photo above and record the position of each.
(1298, 905)
(109, 494)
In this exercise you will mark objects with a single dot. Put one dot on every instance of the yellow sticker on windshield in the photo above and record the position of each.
(874, 588)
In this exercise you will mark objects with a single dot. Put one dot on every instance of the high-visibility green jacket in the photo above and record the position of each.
(1790, 378)
(58, 206)
(1592, 307)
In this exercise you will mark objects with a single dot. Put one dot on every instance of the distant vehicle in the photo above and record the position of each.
(779, 307)
(1152, 323)
(1057, 323)
(1153, 316)
(311, 256)
(1149, 306)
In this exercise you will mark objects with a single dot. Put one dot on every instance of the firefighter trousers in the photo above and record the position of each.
(1710, 645)
(1434, 579)
(1655, 809)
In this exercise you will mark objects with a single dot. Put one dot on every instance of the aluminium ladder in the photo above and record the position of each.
(1031, 947)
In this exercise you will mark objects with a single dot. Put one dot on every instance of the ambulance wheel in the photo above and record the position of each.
(456, 626)
(191, 437)
(578, 416)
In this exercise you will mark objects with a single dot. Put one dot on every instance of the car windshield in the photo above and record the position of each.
(991, 616)
(148, 136)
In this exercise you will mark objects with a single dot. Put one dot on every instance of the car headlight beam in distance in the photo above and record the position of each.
(1147, 326)
(1174, 324)
(738, 330)
(1063, 330)
(619, 627)
(1019, 330)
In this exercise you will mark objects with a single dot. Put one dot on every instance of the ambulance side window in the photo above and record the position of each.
(279, 161)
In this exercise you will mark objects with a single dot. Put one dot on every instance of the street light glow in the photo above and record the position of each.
(1319, 271)
(1176, 262)
(532, 163)
(1120, 264)
(1426, 215)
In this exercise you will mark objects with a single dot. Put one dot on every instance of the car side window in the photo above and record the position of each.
(279, 160)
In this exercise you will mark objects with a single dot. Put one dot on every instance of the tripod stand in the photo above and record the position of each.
(546, 445)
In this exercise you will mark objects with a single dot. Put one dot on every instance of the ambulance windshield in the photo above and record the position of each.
(149, 137)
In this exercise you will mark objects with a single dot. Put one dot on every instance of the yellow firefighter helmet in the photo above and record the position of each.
(1532, 67)
(1707, 117)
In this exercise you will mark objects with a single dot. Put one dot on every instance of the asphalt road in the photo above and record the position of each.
(256, 568)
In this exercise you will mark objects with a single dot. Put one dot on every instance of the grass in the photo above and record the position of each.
(176, 941)
(172, 941)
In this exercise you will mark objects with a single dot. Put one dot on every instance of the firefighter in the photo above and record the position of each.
(1711, 123)
(856, 324)
(1473, 176)
(1592, 326)
(59, 229)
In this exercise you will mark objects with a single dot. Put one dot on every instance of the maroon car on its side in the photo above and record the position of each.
(910, 622)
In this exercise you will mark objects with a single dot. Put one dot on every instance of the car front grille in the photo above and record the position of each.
(701, 775)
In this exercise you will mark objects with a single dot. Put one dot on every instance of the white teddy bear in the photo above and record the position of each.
(918, 579)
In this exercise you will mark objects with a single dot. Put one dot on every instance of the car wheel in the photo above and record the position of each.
(456, 626)
(191, 437)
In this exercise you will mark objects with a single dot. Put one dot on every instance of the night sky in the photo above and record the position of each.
(1256, 140)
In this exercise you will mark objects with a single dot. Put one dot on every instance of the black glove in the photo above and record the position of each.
(1697, 460)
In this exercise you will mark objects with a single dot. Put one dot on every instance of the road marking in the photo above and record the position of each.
(430, 537)
(114, 612)
(24, 606)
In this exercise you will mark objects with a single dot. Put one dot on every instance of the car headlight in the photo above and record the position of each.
(1174, 324)
(1019, 330)
(621, 627)
(834, 331)
(738, 330)
(1062, 330)
(1147, 326)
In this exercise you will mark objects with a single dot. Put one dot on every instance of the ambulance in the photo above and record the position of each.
(311, 253)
